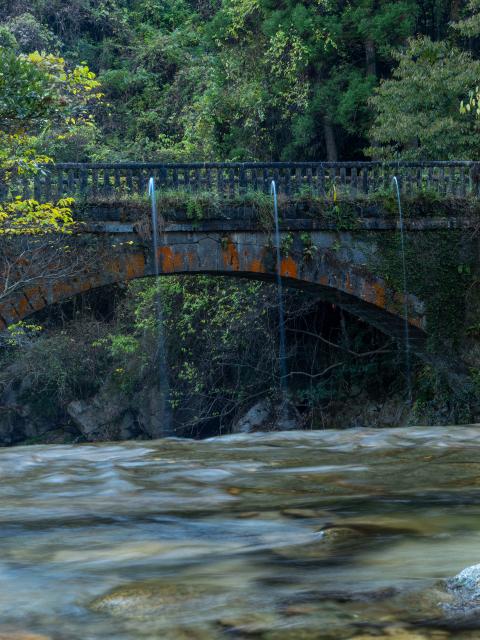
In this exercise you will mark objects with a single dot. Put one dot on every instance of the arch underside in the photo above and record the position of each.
(354, 290)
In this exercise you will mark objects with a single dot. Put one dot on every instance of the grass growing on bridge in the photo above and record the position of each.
(341, 210)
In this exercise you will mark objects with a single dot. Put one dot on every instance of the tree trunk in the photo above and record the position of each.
(370, 58)
(455, 10)
(330, 142)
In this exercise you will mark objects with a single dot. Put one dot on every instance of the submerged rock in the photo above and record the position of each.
(249, 623)
(331, 542)
(151, 598)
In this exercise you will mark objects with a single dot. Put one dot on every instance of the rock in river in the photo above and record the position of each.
(153, 597)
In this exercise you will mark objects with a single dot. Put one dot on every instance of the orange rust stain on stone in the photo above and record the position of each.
(323, 280)
(256, 266)
(380, 295)
(62, 290)
(178, 261)
(167, 258)
(171, 261)
(288, 268)
(191, 259)
(230, 257)
(23, 307)
(135, 266)
(348, 283)
(34, 296)
(12, 312)
(114, 265)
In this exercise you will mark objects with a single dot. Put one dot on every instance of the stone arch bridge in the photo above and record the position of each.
(216, 219)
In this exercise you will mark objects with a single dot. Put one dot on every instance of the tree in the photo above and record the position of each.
(416, 111)
(41, 102)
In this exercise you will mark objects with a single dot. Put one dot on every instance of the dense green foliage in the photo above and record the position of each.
(256, 79)
(43, 103)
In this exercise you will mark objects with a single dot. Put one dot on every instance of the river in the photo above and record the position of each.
(281, 536)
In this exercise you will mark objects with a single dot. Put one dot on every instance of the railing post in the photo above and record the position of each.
(37, 187)
(231, 181)
(353, 182)
(298, 180)
(83, 181)
(365, 180)
(242, 183)
(60, 193)
(321, 180)
(286, 174)
(208, 179)
(220, 185)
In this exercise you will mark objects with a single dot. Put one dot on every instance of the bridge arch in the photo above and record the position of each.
(350, 285)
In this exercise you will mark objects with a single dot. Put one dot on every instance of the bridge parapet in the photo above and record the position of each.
(229, 181)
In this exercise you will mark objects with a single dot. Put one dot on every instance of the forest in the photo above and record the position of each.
(231, 80)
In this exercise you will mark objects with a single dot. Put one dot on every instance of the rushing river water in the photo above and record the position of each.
(288, 536)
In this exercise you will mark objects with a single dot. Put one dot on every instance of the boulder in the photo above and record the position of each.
(256, 418)
(265, 416)
(106, 416)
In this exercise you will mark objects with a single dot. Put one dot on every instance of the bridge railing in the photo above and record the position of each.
(233, 180)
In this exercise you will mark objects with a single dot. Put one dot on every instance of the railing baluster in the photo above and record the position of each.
(321, 180)
(83, 181)
(309, 180)
(220, 183)
(343, 178)
(60, 193)
(130, 180)
(353, 182)
(118, 182)
(430, 178)
(95, 181)
(461, 181)
(442, 181)
(71, 181)
(208, 179)
(266, 182)
(37, 187)
(287, 177)
(162, 178)
(186, 178)
(198, 179)
(25, 192)
(253, 186)
(48, 185)
(365, 180)
(242, 182)
(419, 179)
(298, 180)
(105, 183)
(142, 187)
